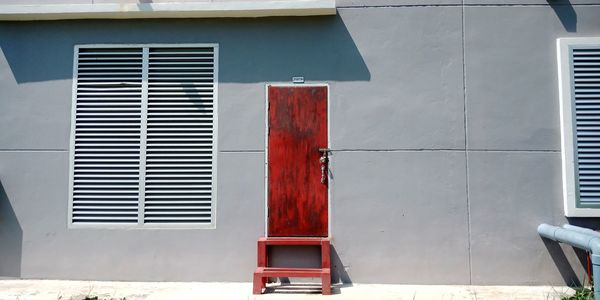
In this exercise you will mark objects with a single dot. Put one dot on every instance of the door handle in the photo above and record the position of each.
(324, 160)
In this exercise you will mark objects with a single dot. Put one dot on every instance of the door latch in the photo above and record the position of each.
(324, 161)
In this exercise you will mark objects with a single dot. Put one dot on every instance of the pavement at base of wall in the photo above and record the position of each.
(79, 290)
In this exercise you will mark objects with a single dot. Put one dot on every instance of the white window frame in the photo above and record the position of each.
(140, 225)
(567, 123)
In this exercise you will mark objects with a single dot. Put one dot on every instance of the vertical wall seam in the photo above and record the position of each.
(464, 72)
(143, 136)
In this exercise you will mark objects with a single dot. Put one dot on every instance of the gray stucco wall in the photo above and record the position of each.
(444, 125)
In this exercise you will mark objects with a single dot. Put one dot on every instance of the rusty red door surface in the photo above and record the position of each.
(297, 197)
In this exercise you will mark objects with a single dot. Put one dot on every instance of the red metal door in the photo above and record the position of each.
(297, 199)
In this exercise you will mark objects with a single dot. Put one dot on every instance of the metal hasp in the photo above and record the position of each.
(582, 238)
(324, 161)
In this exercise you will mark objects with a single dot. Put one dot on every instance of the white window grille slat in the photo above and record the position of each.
(198, 65)
(111, 128)
(182, 90)
(183, 170)
(100, 207)
(125, 110)
(179, 160)
(157, 119)
(207, 52)
(82, 120)
(157, 85)
(109, 80)
(110, 187)
(104, 219)
(192, 195)
(101, 58)
(109, 93)
(143, 151)
(116, 181)
(587, 76)
(110, 83)
(108, 75)
(83, 103)
(179, 207)
(178, 199)
(194, 155)
(104, 67)
(175, 215)
(205, 218)
(184, 66)
(103, 211)
(105, 202)
(109, 175)
(91, 151)
(195, 166)
(191, 176)
(114, 115)
(204, 79)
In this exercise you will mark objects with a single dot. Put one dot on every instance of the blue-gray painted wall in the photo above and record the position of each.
(444, 124)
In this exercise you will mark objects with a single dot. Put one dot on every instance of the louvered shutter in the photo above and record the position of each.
(106, 154)
(143, 136)
(586, 92)
(179, 154)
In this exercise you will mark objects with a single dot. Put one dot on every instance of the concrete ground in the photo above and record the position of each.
(78, 290)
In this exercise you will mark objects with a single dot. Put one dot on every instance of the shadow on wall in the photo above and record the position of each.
(319, 48)
(565, 13)
(11, 237)
(563, 265)
(591, 223)
(338, 270)
(308, 257)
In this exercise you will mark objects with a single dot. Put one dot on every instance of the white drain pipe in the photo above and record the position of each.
(581, 229)
(581, 238)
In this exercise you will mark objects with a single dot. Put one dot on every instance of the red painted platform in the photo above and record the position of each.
(263, 271)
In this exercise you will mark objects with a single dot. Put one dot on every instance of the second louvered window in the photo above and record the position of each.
(144, 136)
(579, 72)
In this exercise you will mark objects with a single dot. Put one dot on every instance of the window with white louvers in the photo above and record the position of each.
(579, 72)
(143, 147)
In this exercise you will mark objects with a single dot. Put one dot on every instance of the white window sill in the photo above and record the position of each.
(230, 9)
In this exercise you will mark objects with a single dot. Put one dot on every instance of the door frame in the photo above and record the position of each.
(287, 84)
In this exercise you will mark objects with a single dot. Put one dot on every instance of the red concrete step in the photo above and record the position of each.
(263, 271)
(292, 272)
(293, 241)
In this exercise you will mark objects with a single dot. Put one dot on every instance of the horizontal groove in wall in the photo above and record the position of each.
(397, 6)
(465, 5)
(333, 150)
(407, 150)
(34, 150)
(241, 151)
(444, 150)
